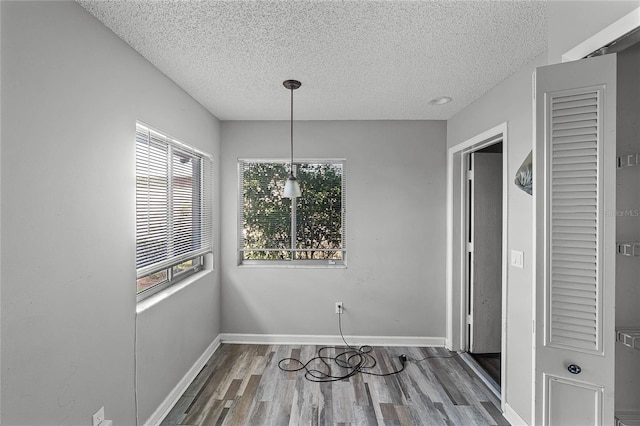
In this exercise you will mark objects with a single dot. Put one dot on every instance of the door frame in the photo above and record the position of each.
(617, 29)
(456, 285)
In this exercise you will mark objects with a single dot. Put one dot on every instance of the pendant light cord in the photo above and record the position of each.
(291, 163)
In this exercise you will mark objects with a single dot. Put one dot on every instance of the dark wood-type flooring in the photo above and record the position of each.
(489, 363)
(242, 385)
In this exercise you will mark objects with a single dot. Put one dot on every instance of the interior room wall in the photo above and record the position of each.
(628, 226)
(394, 281)
(71, 94)
(510, 102)
(572, 22)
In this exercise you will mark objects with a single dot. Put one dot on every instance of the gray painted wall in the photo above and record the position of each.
(72, 92)
(394, 282)
(628, 226)
(511, 102)
(572, 22)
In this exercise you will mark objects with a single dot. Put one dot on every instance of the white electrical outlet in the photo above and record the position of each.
(339, 307)
(98, 417)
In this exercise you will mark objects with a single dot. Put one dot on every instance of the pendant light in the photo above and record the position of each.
(291, 187)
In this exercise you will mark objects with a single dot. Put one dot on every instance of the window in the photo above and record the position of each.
(273, 230)
(173, 210)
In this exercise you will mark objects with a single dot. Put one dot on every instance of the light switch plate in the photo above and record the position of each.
(517, 259)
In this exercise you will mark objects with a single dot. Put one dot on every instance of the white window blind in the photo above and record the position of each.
(173, 202)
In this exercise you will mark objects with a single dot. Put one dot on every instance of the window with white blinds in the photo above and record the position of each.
(273, 230)
(173, 210)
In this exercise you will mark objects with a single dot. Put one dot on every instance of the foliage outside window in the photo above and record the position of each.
(173, 211)
(273, 230)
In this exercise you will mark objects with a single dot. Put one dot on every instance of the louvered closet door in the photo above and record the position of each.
(574, 296)
(575, 242)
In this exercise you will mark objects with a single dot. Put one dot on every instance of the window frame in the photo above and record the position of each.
(201, 228)
(292, 262)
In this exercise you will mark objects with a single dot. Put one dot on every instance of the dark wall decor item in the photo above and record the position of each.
(524, 175)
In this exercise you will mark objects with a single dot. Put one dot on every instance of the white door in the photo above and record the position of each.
(486, 253)
(574, 190)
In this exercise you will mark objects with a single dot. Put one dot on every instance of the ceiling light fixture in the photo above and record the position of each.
(291, 187)
(440, 101)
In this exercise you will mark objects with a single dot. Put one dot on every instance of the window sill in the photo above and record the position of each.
(160, 296)
(290, 266)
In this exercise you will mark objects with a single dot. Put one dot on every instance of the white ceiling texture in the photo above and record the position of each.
(357, 60)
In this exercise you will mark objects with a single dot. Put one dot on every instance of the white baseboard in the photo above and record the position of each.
(300, 339)
(163, 410)
(513, 417)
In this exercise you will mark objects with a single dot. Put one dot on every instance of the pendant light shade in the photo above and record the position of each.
(291, 186)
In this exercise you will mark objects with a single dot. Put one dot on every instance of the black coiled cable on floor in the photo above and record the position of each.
(353, 360)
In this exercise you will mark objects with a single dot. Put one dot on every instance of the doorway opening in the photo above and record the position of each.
(484, 258)
(479, 337)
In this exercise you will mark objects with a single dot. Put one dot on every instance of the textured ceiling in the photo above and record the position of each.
(356, 59)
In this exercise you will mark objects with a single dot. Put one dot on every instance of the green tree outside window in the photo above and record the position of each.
(311, 228)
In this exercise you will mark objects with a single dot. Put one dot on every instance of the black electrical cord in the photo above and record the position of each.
(354, 360)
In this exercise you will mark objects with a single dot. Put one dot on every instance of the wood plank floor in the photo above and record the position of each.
(242, 385)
